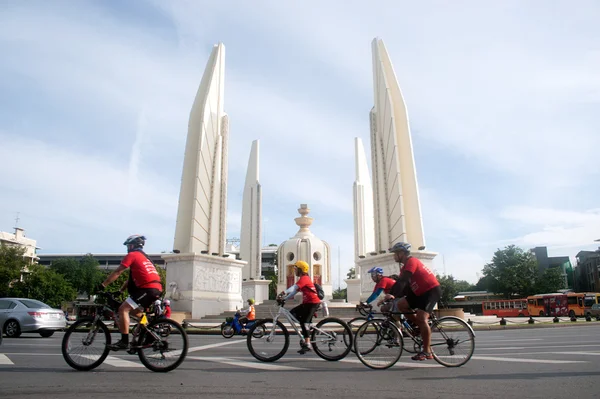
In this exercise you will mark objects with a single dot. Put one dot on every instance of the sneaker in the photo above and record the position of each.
(422, 356)
(118, 346)
(305, 348)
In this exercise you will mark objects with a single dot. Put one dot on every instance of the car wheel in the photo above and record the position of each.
(46, 334)
(12, 329)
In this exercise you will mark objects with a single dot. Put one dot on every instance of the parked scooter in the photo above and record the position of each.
(232, 326)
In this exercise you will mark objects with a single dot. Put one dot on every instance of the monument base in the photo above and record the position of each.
(388, 264)
(353, 290)
(257, 289)
(203, 284)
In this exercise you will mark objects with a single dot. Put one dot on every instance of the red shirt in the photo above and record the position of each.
(168, 312)
(309, 293)
(386, 283)
(422, 279)
(142, 272)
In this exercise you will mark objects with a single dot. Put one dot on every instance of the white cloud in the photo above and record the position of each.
(554, 227)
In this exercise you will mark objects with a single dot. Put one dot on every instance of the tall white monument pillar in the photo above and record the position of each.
(364, 227)
(201, 278)
(396, 206)
(250, 238)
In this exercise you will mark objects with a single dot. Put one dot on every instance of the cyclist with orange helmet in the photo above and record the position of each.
(310, 301)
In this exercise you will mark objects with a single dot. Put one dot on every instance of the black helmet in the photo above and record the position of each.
(136, 240)
(401, 246)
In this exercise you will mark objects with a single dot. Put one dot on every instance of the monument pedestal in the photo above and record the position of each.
(353, 290)
(257, 289)
(203, 284)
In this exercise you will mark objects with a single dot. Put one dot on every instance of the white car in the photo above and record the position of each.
(23, 315)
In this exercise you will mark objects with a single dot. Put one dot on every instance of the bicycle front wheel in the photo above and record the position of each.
(452, 341)
(269, 345)
(84, 345)
(378, 344)
(329, 339)
(163, 345)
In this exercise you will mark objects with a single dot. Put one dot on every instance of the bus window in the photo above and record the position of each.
(531, 301)
(540, 302)
(589, 301)
(572, 300)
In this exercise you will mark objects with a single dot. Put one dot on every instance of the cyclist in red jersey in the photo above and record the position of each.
(167, 309)
(382, 284)
(310, 301)
(143, 286)
(417, 288)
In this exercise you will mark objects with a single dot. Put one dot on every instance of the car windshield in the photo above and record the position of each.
(33, 304)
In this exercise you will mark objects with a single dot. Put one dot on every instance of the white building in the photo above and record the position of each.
(18, 239)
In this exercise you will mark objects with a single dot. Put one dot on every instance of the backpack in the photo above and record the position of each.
(319, 291)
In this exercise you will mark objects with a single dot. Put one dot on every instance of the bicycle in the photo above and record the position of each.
(326, 336)
(380, 335)
(366, 314)
(152, 339)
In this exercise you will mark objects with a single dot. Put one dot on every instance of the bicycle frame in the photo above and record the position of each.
(284, 313)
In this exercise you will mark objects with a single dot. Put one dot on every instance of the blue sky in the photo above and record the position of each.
(502, 100)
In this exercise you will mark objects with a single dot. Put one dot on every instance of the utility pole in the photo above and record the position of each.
(339, 271)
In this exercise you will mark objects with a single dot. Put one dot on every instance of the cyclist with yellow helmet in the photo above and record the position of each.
(310, 301)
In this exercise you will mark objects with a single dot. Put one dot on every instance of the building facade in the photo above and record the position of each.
(18, 239)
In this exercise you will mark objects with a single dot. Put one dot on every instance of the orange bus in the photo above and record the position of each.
(571, 304)
(555, 304)
(505, 307)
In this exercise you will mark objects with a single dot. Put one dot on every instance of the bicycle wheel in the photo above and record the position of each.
(329, 337)
(354, 324)
(162, 345)
(452, 341)
(378, 344)
(84, 345)
(271, 345)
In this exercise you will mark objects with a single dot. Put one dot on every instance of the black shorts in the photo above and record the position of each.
(143, 297)
(304, 312)
(425, 301)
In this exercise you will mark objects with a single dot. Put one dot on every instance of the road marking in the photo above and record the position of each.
(510, 359)
(203, 347)
(116, 362)
(399, 364)
(501, 348)
(548, 353)
(4, 359)
(243, 363)
(516, 339)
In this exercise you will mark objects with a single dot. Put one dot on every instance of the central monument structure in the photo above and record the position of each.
(201, 278)
(390, 211)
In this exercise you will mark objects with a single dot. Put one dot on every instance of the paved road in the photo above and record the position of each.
(558, 362)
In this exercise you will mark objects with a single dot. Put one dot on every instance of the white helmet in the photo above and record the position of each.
(167, 302)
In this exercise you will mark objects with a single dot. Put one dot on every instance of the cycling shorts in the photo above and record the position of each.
(143, 297)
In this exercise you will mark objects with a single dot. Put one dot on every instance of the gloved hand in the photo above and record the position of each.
(99, 288)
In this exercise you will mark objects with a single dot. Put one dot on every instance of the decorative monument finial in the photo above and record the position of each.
(303, 221)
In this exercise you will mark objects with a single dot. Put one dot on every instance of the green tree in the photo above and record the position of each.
(451, 287)
(44, 285)
(551, 280)
(12, 264)
(83, 275)
(340, 293)
(512, 271)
